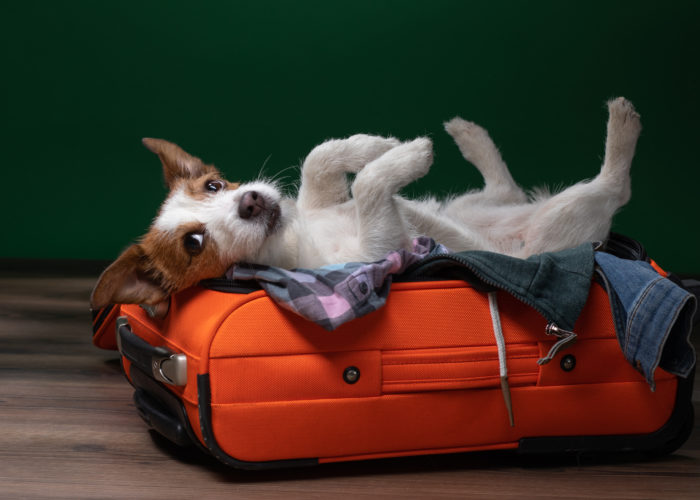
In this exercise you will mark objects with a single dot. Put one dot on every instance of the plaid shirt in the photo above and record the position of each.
(332, 295)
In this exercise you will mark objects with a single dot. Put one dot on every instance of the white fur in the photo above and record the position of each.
(237, 239)
(326, 225)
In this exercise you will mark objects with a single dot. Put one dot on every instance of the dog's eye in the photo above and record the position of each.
(214, 186)
(194, 243)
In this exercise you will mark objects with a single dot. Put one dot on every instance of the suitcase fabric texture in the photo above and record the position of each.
(446, 366)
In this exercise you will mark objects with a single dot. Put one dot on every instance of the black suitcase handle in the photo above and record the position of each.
(163, 364)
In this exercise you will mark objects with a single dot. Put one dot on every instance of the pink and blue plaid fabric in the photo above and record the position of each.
(335, 294)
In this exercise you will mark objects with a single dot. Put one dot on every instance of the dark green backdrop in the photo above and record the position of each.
(244, 84)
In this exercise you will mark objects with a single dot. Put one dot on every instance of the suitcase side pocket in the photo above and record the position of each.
(296, 377)
(455, 368)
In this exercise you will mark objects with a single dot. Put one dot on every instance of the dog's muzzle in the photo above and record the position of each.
(254, 205)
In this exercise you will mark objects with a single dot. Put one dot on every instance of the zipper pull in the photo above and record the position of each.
(566, 338)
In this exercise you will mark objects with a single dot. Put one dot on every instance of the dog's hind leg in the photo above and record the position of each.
(584, 212)
(324, 171)
(381, 228)
(624, 127)
(478, 148)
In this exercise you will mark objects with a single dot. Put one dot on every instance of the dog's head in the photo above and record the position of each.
(205, 225)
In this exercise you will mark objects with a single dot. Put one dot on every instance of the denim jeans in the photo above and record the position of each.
(653, 316)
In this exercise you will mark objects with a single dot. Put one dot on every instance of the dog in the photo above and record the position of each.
(207, 224)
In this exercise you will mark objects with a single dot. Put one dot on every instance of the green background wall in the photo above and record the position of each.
(244, 84)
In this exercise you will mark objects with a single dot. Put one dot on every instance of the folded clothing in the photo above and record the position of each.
(653, 316)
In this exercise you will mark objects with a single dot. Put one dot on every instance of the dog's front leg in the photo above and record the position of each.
(380, 225)
(323, 174)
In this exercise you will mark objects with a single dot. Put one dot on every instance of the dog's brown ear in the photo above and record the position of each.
(126, 281)
(177, 163)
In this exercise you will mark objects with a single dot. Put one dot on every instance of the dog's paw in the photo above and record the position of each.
(397, 167)
(623, 119)
(366, 148)
(468, 130)
(417, 155)
(472, 140)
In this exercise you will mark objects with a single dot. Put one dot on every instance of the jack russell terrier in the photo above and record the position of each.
(207, 224)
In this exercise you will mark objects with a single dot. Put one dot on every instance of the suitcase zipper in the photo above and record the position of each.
(227, 285)
(566, 338)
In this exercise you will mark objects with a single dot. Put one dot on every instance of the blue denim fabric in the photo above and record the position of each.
(653, 316)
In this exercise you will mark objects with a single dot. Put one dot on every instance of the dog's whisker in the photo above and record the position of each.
(278, 174)
(262, 168)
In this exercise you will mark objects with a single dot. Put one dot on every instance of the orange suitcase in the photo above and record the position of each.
(258, 386)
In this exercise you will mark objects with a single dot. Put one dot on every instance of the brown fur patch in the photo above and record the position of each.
(197, 188)
(149, 271)
(172, 266)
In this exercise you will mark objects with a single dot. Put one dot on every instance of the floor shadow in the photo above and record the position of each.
(474, 461)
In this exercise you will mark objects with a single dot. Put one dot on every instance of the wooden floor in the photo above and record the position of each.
(68, 429)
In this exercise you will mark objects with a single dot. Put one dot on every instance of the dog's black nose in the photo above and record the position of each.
(251, 204)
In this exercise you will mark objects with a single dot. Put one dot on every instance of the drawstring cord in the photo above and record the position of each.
(501, 344)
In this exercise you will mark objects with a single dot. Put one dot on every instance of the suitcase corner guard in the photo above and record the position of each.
(164, 365)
